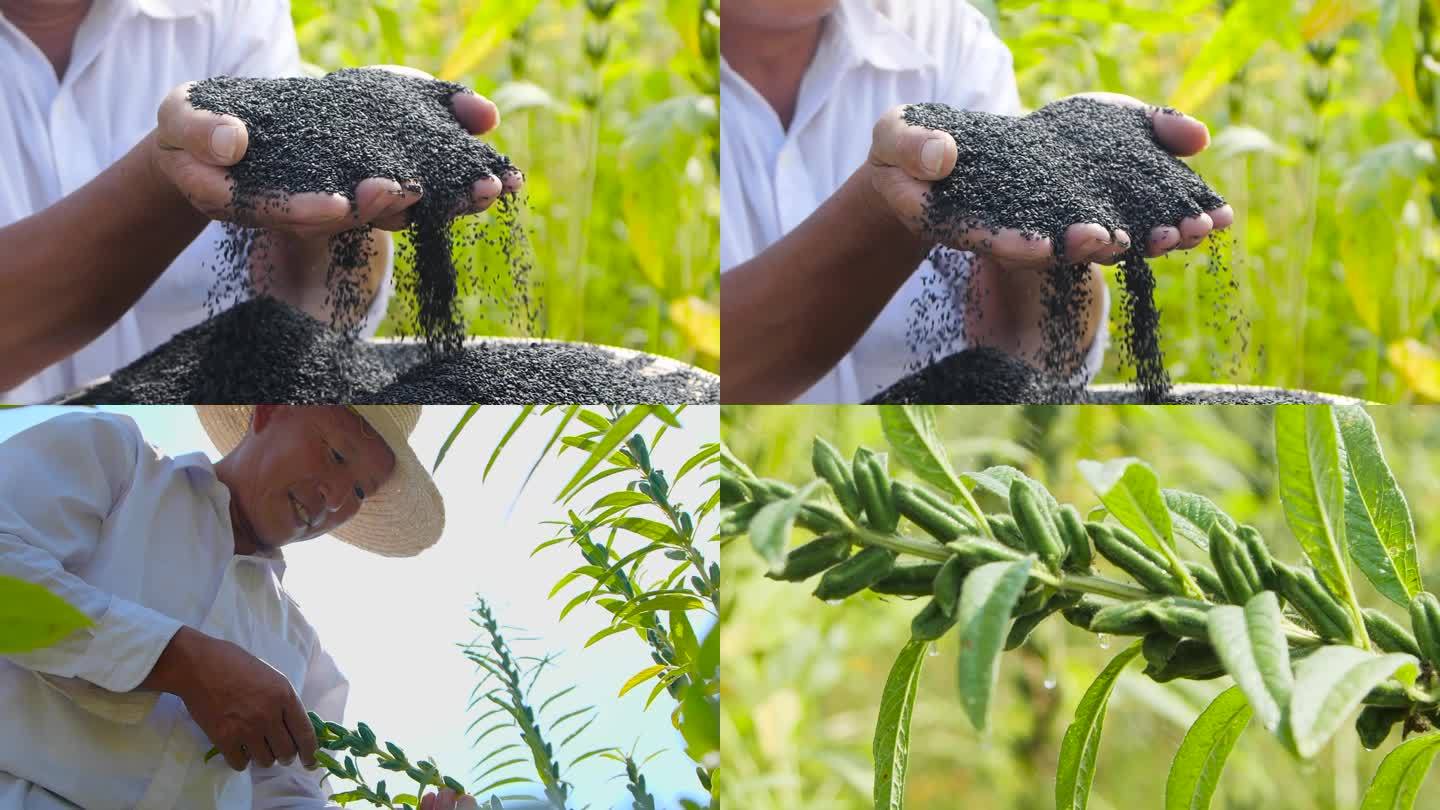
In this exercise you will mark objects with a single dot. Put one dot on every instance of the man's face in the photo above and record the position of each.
(307, 469)
(778, 15)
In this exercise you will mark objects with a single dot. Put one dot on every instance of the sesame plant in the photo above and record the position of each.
(638, 554)
(1303, 652)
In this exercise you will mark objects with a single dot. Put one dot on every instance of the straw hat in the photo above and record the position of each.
(404, 518)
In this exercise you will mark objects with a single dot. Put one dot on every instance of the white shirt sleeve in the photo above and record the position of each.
(291, 787)
(60, 479)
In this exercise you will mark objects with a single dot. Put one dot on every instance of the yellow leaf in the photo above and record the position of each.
(699, 321)
(641, 677)
(490, 25)
(1418, 365)
(1327, 17)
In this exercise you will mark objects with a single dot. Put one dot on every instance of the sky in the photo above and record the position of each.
(395, 636)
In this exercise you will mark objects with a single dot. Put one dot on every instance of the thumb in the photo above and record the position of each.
(219, 140)
(924, 154)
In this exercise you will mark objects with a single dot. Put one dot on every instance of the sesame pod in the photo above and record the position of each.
(856, 574)
(1389, 694)
(955, 513)
(1158, 648)
(974, 552)
(736, 521)
(1324, 613)
(1022, 627)
(1260, 557)
(813, 557)
(766, 490)
(1374, 723)
(1082, 613)
(1007, 531)
(1133, 557)
(1425, 621)
(872, 482)
(821, 518)
(948, 584)
(639, 451)
(1387, 633)
(830, 466)
(1036, 527)
(733, 491)
(942, 524)
(1234, 565)
(909, 580)
(1125, 619)
(931, 622)
(1182, 617)
(1195, 660)
(1207, 579)
(1078, 556)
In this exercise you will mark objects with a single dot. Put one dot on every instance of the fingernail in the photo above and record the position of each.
(931, 154)
(225, 141)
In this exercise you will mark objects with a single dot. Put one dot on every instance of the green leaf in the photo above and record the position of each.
(910, 429)
(1397, 782)
(1251, 642)
(1329, 684)
(1078, 750)
(1192, 515)
(617, 433)
(31, 617)
(1246, 26)
(1378, 526)
(770, 528)
(892, 728)
(997, 480)
(1399, 21)
(459, 426)
(654, 530)
(703, 455)
(983, 618)
(1195, 772)
(624, 497)
(1312, 490)
(1131, 493)
(641, 677)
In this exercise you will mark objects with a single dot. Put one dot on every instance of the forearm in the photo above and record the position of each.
(71, 270)
(1010, 310)
(794, 310)
(294, 269)
(172, 669)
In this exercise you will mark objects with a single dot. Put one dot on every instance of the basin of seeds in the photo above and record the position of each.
(266, 351)
(985, 376)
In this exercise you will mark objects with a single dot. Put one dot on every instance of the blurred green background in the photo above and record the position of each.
(802, 679)
(1325, 117)
(610, 107)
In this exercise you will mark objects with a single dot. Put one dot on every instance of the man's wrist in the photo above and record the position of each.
(173, 668)
(878, 215)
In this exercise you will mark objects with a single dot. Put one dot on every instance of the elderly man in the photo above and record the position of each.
(111, 183)
(822, 255)
(177, 562)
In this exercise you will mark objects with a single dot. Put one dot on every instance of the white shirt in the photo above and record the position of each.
(57, 135)
(873, 54)
(141, 543)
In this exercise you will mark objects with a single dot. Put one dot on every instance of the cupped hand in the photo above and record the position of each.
(906, 159)
(447, 799)
(194, 148)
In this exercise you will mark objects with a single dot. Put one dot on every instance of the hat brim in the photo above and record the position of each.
(403, 519)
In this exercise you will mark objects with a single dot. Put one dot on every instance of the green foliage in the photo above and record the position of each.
(1302, 673)
(612, 111)
(31, 617)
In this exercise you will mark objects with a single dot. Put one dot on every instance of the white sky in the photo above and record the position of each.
(395, 627)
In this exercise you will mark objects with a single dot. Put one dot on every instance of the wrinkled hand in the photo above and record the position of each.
(447, 799)
(195, 147)
(906, 159)
(245, 706)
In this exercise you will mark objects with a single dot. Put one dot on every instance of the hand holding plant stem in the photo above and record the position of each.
(1302, 671)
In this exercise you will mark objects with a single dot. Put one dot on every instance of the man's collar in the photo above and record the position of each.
(170, 9)
(876, 40)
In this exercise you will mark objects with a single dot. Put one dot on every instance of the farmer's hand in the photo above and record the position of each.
(195, 147)
(447, 799)
(906, 159)
(246, 707)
